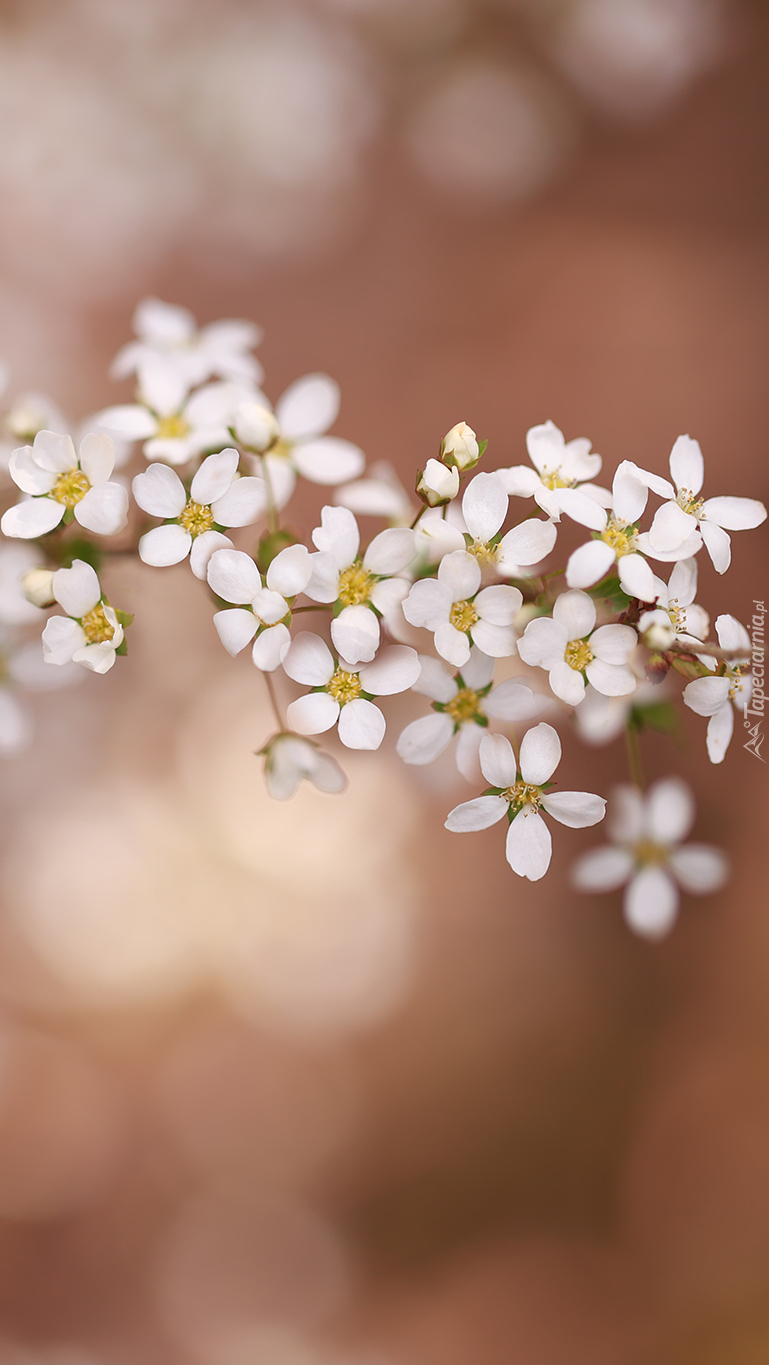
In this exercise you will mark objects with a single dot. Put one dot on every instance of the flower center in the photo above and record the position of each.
(485, 554)
(71, 487)
(622, 539)
(463, 616)
(355, 585)
(196, 518)
(281, 449)
(522, 794)
(677, 615)
(96, 626)
(555, 480)
(647, 853)
(173, 428)
(344, 687)
(735, 675)
(463, 705)
(578, 655)
(689, 503)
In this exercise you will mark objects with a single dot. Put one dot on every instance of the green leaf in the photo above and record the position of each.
(482, 447)
(125, 618)
(661, 716)
(80, 549)
(122, 648)
(610, 591)
(271, 545)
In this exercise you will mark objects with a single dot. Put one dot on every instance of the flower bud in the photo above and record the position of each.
(37, 586)
(459, 447)
(657, 668)
(656, 630)
(256, 427)
(437, 485)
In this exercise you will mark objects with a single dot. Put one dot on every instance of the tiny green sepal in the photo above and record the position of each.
(125, 618)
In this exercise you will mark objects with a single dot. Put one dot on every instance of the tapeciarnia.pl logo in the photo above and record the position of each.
(754, 712)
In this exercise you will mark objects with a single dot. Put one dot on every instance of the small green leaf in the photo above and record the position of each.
(271, 545)
(125, 618)
(122, 648)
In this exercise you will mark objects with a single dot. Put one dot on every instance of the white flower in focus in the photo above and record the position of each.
(342, 693)
(676, 521)
(300, 446)
(462, 706)
(678, 617)
(261, 611)
(520, 794)
(714, 697)
(437, 485)
(484, 508)
(559, 467)
(460, 448)
(59, 481)
(291, 759)
(171, 333)
(620, 542)
(646, 856)
(90, 633)
(217, 498)
(364, 588)
(574, 653)
(459, 615)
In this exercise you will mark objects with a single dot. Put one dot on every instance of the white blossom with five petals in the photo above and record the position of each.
(217, 497)
(458, 614)
(60, 480)
(719, 697)
(90, 633)
(291, 759)
(169, 332)
(574, 652)
(559, 468)
(261, 609)
(342, 693)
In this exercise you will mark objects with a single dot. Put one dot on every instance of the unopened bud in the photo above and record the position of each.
(37, 586)
(256, 427)
(437, 485)
(459, 447)
(656, 630)
(657, 668)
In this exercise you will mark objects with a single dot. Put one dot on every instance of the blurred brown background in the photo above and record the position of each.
(321, 1084)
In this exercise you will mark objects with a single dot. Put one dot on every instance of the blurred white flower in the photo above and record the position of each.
(291, 759)
(221, 348)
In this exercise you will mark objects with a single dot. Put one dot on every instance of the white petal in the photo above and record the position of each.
(77, 590)
(104, 509)
(603, 869)
(355, 633)
(203, 548)
(575, 612)
(312, 714)
(27, 474)
(387, 596)
(242, 504)
(467, 750)
(546, 446)
(687, 467)
(233, 575)
(424, 739)
(578, 810)
(613, 680)
(326, 775)
(329, 460)
(16, 724)
(627, 815)
(160, 491)
(323, 583)
(308, 407)
(62, 638)
(309, 660)
(543, 642)
(236, 629)
(390, 551)
(682, 584)
(499, 642)
(461, 574)
(214, 477)
(529, 847)
(540, 754)
(547, 499)
(581, 508)
(128, 421)
(699, 868)
(165, 545)
(361, 725)
(669, 811)
(671, 527)
(481, 813)
(170, 450)
(54, 451)
(519, 480)
(290, 571)
(97, 457)
(498, 763)
(434, 681)
(428, 604)
(707, 695)
(499, 604)
(734, 514)
(512, 700)
(35, 517)
(718, 545)
(452, 644)
(651, 903)
(690, 547)
(719, 733)
(98, 658)
(478, 671)
(732, 635)
(396, 669)
(629, 494)
(589, 564)
(163, 323)
(269, 647)
(530, 542)
(484, 506)
(281, 477)
(578, 462)
(636, 578)
(270, 607)
(567, 683)
(337, 535)
(613, 644)
(694, 622)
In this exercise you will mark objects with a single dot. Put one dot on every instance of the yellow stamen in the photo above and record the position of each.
(647, 853)
(96, 626)
(622, 541)
(71, 487)
(522, 794)
(689, 503)
(463, 616)
(578, 655)
(484, 553)
(173, 428)
(355, 585)
(555, 480)
(463, 705)
(344, 687)
(196, 518)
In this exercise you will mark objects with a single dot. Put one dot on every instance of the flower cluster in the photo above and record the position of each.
(454, 599)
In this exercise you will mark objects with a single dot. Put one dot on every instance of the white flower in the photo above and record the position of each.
(290, 759)
(567, 644)
(260, 610)
(380, 494)
(17, 562)
(59, 480)
(462, 706)
(173, 427)
(166, 331)
(484, 508)
(520, 795)
(361, 588)
(714, 697)
(559, 466)
(217, 497)
(90, 633)
(460, 448)
(436, 484)
(343, 693)
(459, 615)
(620, 541)
(304, 413)
(686, 512)
(678, 616)
(647, 832)
(29, 413)
(600, 719)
